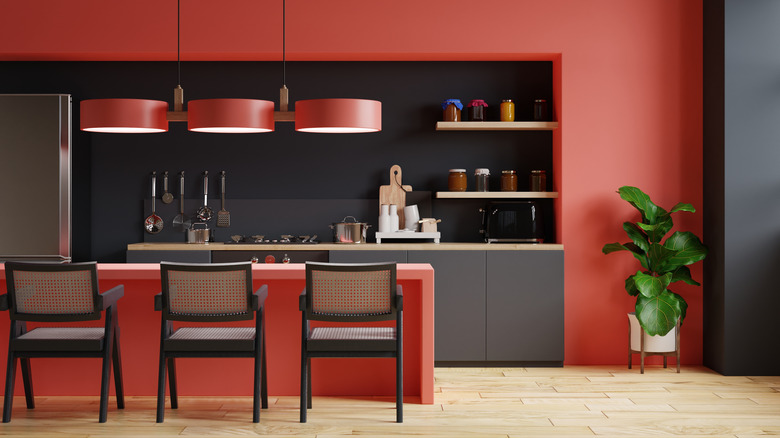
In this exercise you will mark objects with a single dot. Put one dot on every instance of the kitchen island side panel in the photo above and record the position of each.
(140, 342)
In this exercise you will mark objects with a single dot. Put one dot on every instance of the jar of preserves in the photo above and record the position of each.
(457, 180)
(482, 179)
(452, 108)
(477, 110)
(508, 181)
(507, 110)
(540, 110)
(538, 181)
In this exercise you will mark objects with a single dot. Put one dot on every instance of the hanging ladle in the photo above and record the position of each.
(205, 213)
(153, 223)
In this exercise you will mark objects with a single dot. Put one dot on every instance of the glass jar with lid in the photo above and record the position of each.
(457, 180)
(508, 181)
(538, 181)
(482, 177)
(451, 109)
(507, 110)
(477, 110)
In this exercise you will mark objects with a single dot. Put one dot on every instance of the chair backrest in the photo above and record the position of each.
(350, 291)
(206, 291)
(52, 291)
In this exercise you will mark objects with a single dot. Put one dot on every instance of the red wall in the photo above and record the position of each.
(628, 77)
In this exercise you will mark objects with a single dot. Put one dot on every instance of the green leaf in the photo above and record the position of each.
(613, 247)
(687, 248)
(631, 286)
(629, 246)
(657, 231)
(651, 286)
(640, 201)
(658, 257)
(684, 274)
(681, 206)
(658, 315)
(682, 308)
(636, 235)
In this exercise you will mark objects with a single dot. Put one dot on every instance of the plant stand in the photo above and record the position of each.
(652, 345)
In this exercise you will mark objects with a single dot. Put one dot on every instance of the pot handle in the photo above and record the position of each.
(353, 219)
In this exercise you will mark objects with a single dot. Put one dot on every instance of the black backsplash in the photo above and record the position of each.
(111, 171)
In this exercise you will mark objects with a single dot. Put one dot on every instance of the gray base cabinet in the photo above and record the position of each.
(459, 303)
(524, 306)
(157, 256)
(366, 256)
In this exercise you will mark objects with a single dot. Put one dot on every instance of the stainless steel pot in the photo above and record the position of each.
(199, 232)
(349, 232)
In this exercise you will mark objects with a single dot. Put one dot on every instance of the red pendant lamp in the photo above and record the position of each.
(338, 115)
(123, 115)
(236, 116)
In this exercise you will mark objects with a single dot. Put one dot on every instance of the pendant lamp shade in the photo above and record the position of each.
(338, 115)
(230, 115)
(124, 115)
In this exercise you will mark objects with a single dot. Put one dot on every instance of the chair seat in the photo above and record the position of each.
(352, 338)
(61, 339)
(212, 339)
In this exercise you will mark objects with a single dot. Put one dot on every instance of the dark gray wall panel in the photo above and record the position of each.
(525, 306)
(459, 303)
(740, 322)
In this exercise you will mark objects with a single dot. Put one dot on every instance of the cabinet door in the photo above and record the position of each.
(459, 303)
(157, 256)
(367, 256)
(525, 306)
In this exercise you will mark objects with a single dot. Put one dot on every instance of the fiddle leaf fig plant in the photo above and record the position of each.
(663, 261)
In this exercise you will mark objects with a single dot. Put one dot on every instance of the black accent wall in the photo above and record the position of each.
(111, 171)
(741, 186)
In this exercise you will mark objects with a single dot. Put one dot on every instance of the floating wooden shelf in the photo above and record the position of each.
(496, 126)
(496, 195)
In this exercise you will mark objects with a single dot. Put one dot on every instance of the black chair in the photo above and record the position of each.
(210, 292)
(47, 292)
(351, 293)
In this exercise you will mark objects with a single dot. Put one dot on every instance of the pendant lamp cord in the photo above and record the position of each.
(284, 43)
(178, 39)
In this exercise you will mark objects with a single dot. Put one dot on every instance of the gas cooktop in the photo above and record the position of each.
(284, 239)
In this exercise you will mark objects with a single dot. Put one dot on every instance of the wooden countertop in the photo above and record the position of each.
(446, 246)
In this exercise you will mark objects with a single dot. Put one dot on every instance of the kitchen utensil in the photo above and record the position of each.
(412, 217)
(199, 232)
(395, 193)
(167, 197)
(153, 223)
(428, 225)
(181, 222)
(223, 216)
(349, 232)
(205, 213)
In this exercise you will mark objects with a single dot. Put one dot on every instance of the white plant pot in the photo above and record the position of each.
(653, 344)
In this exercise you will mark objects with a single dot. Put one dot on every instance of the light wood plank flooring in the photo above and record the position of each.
(574, 401)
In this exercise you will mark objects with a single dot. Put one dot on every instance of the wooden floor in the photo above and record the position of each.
(572, 401)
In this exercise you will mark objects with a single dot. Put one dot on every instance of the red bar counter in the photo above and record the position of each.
(140, 341)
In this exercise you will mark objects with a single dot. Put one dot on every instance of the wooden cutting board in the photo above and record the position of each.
(395, 193)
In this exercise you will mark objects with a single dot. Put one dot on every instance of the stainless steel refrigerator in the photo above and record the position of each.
(35, 185)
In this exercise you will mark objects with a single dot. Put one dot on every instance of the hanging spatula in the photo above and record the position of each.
(223, 216)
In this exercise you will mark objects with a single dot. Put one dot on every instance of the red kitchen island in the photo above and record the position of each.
(140, 341)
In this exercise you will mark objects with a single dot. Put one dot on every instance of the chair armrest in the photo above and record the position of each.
(4, 302)
(258, 298)
(399, 297)
(302, 300)
(111, 296)
(158, 301)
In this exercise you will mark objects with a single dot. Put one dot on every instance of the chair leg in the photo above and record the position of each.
(161, 389)
(105, 377)
(399, 371)
(10, 380)
(173, 388)
(308, 389)
(258, 369)
(642, 365)
(264, 377)
(304, 385)
(119, 385)
(29, 395)
(664, 361)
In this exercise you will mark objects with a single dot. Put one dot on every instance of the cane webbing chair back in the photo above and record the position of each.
(53, 292)
(203, 292)
(350, 292)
